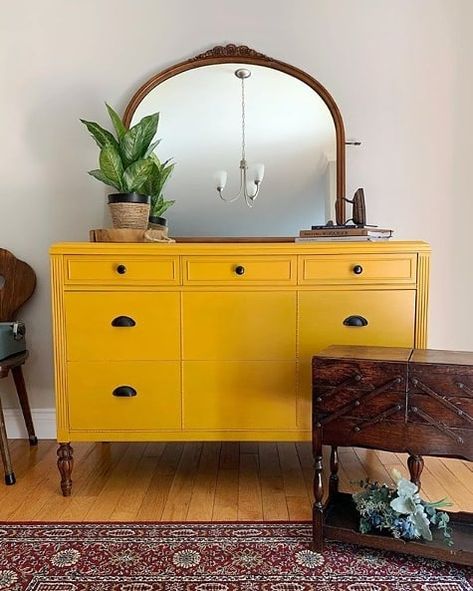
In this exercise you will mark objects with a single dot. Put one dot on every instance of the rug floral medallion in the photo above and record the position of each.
(204, 557)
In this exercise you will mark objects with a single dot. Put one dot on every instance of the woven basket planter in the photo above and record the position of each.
(129, 210)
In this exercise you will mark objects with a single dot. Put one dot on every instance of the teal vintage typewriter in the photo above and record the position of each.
(12, 339)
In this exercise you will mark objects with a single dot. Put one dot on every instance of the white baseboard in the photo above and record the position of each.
(44, 420)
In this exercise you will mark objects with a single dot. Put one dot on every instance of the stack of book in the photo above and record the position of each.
(344, 233)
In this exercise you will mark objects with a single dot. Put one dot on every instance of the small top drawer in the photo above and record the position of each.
(352, 269)
(249, 270)
(123, 270)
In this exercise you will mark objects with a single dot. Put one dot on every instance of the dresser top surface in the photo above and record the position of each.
(285, 248)
(427, 356)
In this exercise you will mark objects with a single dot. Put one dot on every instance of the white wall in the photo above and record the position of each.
(399, 70)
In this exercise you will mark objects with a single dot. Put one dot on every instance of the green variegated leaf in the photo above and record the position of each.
(117, 122)
(99, 175)
(100, 135)
(136, 141)
(152, 184)
(152, 146)
(137, 174)
(111, 165)
(159, 206)
(165, 172)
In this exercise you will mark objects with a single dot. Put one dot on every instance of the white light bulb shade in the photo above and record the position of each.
(221, 178)
(259, 172)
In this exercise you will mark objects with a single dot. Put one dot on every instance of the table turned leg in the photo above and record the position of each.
(415, 463)
(65, 463)
(318, 507)
(333, 483)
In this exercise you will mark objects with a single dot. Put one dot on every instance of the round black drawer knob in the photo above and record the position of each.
(358, 269)
(240, 270)
(121, 269)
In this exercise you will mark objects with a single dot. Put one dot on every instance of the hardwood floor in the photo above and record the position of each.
(199, 481)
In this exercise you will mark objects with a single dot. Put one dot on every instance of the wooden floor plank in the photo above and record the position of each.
(203, 493)
(139, 480)
(157, 492)
(104, 505)
(180, 493)
(226, 493)
(272, 484)
(294, 483)
(250, 502)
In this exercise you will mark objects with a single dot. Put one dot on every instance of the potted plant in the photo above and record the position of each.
(154, 186)
(126, 164)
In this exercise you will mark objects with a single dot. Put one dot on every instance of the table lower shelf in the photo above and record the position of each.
(341, 521)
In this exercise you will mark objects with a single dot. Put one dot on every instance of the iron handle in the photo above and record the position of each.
(358, 269)
(121, 269)
(124, 321)
(240, 270)
(355, 321)
(124, 392)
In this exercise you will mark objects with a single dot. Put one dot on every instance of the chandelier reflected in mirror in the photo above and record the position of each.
(249, 189)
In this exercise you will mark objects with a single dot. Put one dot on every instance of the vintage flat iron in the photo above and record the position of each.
(358, 214)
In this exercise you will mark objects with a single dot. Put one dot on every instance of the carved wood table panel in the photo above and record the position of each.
(417, 401)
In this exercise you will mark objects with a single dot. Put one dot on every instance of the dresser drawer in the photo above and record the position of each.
(103, 326)
(375, 318)
(99, 395)
(352, 269)
(240, 270)
(122, 270)
(239, 395)
(230, 325)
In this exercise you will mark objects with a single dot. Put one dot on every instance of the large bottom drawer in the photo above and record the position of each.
(139, 395)
(239, 395)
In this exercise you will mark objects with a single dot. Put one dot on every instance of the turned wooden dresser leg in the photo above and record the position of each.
(318, 507)
(65, 463)
(333, 483)
(415, 463)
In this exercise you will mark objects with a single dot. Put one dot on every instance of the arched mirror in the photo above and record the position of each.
(232, 119)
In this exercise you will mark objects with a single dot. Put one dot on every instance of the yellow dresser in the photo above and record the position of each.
(213, 341)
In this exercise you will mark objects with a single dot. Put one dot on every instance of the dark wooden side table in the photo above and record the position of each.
(418, 401)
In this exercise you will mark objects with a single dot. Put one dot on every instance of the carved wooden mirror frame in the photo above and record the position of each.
(242, 54)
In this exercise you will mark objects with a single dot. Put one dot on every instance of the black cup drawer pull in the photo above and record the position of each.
(358, 269)
(355, 321)
(124, 392)
(124, 321)
(121, 269)
(240, 270)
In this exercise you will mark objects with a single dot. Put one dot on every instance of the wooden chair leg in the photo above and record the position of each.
(25, 405)
(5, 451)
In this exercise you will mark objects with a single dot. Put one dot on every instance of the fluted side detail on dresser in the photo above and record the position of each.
(422, 300)
(60, 353)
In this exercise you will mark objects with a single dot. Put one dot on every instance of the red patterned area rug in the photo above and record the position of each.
(204, 557)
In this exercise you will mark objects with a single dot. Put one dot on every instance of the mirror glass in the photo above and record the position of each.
(288, 128)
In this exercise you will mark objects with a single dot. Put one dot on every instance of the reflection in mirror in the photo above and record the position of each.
(288, 128)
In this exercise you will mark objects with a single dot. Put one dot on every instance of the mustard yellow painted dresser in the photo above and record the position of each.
(213, 341)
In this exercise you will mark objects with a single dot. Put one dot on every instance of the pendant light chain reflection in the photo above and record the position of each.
(250, 197)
